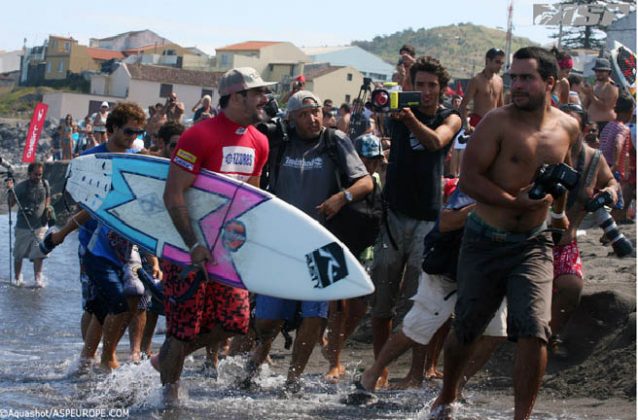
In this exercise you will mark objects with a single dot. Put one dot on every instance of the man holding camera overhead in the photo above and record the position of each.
(506, 248)
(421, 137)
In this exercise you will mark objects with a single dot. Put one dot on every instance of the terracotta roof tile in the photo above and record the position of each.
(103, 54)
(248, 46)
(174, 75)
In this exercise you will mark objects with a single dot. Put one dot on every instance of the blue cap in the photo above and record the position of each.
(368, 146)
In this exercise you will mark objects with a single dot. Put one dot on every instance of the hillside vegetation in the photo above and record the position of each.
(460, 47)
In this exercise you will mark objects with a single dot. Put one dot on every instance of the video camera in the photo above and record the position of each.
(553, 179)
(275, 128)
(384, 100)
(8, 174)
(621, 245)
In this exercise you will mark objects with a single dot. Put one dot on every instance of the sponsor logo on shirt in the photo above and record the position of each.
(316, 163)
(188, 157)
(238, 159)
(181, 162)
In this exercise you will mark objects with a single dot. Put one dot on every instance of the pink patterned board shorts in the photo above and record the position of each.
(567, 260)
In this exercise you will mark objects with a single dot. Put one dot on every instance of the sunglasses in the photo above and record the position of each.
(130, 131)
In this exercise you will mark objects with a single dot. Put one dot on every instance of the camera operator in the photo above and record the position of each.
(596, 179)
(421, 137)
(173, 109)
(298, 83)
(33, 199)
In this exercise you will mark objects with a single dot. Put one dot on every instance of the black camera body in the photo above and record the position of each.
(597, 202)
(553, 179)
(383, 100)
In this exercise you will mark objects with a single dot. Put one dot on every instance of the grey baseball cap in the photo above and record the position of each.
(239, 79)
(302, 100)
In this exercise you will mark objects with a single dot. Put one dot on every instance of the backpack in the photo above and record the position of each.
(358, 223)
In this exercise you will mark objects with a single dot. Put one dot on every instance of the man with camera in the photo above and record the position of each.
(421, 137)
(173, 109)
(506, 248)
(305, 177)
(33, 197)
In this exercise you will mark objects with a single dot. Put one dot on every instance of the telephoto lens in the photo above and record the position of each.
(621, 245)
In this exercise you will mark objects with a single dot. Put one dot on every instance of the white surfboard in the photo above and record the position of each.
(259, 242)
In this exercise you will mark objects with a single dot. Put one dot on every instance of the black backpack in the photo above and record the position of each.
(357, 225)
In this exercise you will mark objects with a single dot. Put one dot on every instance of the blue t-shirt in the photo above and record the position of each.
(100, 240)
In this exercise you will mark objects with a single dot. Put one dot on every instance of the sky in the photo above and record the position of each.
(209, 24)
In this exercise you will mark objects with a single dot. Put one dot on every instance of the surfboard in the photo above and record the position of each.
(624, 65)
(259, 242)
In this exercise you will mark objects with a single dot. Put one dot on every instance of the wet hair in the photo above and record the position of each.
(122, 113)
(431, 65)
(408, 49)
(492, 53)
(547, 64)
(624, 103)
(574, 79)
(578, 110)
(34, 165)
(170, 129)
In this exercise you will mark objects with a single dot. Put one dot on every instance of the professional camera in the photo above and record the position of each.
(621, 245)
(464, 138)
(554, 180)
(275, 128)
(383, 100)
(8, 174)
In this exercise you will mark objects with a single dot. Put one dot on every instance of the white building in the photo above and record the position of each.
(368, 64)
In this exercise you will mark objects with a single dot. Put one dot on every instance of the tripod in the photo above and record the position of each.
(357, 124)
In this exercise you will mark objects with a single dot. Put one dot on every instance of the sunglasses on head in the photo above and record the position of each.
(130, 131)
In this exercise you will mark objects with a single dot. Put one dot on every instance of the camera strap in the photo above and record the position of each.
(580, 166)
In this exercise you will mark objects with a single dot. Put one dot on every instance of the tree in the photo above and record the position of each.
(581, 23)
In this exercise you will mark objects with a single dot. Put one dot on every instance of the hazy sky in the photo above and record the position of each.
(208, 24)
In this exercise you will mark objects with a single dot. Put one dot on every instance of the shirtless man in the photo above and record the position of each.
(599, 100)
(506, 249)
(486, 89)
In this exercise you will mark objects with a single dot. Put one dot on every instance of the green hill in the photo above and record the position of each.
(460, 47)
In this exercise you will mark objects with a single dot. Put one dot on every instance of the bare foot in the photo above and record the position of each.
(382, 382)
(409, 382)
(170, 395)
(155, 362)
(109, 365)
(334, 374)
(135, 357)
(433, 373)
(368, 380)
(441, 410)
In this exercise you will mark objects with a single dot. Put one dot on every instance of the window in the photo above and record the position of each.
(225, 60)
(207, 92)
(165, 90)
(67, 46)
(61, 67)
(49, 67)
(349, 78)
(348, 99)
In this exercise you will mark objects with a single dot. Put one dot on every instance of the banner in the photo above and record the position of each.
(35, 129)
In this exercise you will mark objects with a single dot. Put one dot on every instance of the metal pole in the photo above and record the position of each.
(10, 245)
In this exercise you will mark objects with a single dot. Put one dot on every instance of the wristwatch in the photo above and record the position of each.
(348, 195)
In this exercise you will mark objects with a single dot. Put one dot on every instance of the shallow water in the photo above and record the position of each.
(40, 343)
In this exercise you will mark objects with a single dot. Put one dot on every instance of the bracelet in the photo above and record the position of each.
(556, 216)
(190, 251)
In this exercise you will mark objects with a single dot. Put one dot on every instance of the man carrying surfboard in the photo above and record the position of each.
(305, 177)
(228, 144)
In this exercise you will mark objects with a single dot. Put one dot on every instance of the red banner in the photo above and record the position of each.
(35, 129)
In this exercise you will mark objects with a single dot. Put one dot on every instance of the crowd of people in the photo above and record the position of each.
(460, 167)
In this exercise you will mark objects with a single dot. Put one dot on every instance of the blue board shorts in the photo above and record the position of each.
(271, 308)
(107, 280)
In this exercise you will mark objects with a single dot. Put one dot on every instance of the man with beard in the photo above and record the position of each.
(231, 145)
(506, 249)
(305, 177)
